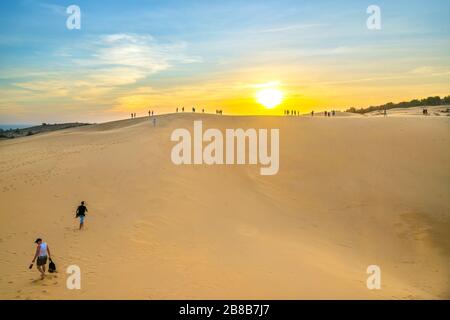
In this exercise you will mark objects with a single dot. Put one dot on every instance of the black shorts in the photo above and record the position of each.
(41, 261)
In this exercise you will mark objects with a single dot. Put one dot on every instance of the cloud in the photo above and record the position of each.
(430, 71)
(133, 51)
(120, 59)
(101, 65)
(292, 27)
(423, 70)
(264, 85)
(54, 8)
(193, 94)
(47, 88)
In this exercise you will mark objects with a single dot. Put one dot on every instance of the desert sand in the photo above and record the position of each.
(443, 110)
(351, 192)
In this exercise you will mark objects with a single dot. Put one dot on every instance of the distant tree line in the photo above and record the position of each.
(430, 101)
(45, 127)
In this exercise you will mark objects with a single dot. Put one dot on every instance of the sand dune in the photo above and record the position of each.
(433, 111)
(350, 192)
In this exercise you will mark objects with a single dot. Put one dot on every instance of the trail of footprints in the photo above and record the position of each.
(28, 159)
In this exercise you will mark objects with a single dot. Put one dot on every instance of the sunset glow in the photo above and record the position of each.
(127, 58)
(270, 98)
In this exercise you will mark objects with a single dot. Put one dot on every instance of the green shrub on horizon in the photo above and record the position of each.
(430, 101)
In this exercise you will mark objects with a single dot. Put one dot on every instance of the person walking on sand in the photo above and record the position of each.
(81, 213)
(42, 254)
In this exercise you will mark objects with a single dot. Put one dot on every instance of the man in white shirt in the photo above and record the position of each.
(42, 254)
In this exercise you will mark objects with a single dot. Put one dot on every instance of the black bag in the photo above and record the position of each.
(51, 267)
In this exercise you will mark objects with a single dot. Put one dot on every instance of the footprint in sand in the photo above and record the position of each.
(36, 280)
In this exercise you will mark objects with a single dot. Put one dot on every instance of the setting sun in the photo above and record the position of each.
(269, 98)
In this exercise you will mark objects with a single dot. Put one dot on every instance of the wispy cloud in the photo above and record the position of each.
(430, 71)
(108, 62)
(54, 8)
(269, 84)
(120, 59)
(292, 27)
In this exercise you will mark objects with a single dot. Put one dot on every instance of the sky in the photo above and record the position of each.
(135, 55)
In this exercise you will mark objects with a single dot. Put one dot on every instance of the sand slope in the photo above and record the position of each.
(433, 111)
(351, 192)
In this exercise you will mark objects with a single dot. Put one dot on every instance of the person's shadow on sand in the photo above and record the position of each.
(47, 277)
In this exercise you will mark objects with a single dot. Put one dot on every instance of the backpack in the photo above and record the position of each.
(51, 267)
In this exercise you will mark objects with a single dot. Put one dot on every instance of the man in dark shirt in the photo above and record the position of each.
(81, 213)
